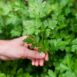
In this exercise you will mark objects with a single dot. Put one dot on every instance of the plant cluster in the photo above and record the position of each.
(51, 26)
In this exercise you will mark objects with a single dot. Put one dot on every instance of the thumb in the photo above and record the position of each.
(20, 39)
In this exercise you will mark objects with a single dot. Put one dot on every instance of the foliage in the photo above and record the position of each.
(51, 25)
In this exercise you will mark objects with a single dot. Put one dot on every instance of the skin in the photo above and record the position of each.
(17, 49)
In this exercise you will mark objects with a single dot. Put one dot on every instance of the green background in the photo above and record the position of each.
(55, 21)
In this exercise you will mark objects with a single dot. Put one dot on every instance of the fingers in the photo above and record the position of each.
(37, 55)
(22, 38)
(31, 54)
(4, 57)
(19, 40)
(46, 56)
(33, 62)
(39, 62)
(36, 63)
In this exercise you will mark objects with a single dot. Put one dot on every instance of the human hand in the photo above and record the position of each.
(17, 49)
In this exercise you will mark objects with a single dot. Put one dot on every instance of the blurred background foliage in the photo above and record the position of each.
(56, 20)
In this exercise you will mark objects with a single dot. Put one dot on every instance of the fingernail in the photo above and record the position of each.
(33, 63)
(41, 62)
(46, 57)
(36, 63)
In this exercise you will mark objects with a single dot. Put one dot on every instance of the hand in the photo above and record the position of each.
(17, 49)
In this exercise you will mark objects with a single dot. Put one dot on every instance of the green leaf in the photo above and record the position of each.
(51, 73)
(74, 42)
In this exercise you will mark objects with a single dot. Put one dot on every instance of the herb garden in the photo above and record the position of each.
(51, 26)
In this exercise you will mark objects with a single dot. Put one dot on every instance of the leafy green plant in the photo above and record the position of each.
(51, 26)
